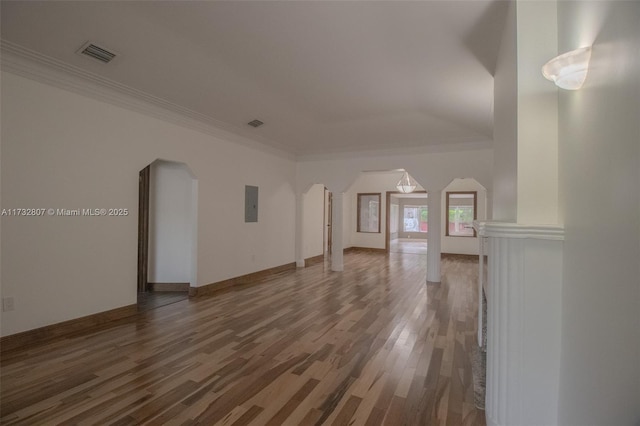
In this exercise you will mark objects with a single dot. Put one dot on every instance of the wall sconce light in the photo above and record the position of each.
(406, 184)
(569, 70)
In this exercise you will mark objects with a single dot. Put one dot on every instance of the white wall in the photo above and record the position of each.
(537, 118)
(525, 180)
(397, 217)
(463, 245)
(171, 217)
(600, 179)
(505, 124)
(385, 181)
(370, 183)
(313, 221)
(408, 202)
(64, 150)
(348, 227)
(432, 168)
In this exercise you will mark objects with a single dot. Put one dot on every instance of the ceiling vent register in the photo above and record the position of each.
(255, 123)
(96, 52)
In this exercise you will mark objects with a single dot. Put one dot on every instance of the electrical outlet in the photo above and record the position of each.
(7, 304)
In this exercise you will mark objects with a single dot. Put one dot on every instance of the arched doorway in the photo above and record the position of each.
(167, 233)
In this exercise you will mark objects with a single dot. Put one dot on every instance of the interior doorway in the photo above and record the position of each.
(143, 227)
(406, 224)
(328, 213)
(167, 233)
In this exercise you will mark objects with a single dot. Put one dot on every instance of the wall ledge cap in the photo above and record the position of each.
(517, 230)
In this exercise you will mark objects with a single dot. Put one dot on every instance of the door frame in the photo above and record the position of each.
(387, 237)
(328, 221)
(144, 179)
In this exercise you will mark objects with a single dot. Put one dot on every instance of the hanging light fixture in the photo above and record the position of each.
(406, 184)
(569, 70)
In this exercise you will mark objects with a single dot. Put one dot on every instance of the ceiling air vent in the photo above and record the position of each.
(255, 123)
(97, 52)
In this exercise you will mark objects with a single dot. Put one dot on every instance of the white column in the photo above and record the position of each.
(194, 233)
(481, 283)
(337, 246)
(300, 230)
(523, 323)
(434, 221)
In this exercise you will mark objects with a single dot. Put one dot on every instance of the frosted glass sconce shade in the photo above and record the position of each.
(569, 70)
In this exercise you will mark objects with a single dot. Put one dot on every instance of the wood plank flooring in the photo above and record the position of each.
(373, 345)
(155, 299)
(408, 245)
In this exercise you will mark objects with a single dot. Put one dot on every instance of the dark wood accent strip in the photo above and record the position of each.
(456, 256)
(65, 328)
(168, 286)
(452, 256)
(143, 227)
(249, 415)
(364, 250)
(281, 416)
(241, 280)
(313, 260)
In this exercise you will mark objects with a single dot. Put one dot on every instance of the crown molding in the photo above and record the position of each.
(515, 230)
(453, 145)
(29, 64)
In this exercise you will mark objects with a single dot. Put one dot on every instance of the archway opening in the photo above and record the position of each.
(317, 224)
(407, 227)
(167, 236)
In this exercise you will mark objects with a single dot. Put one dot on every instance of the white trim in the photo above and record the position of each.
(36, 66)
(524, 311)
(516, 230)
(444, 145)
(45, 69)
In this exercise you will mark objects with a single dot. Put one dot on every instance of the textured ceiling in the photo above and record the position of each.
(325, 77)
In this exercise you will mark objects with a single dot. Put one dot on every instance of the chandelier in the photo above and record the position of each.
(406, 184)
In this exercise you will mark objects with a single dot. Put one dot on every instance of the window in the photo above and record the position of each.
(461, 212)
(415, 219)
(369, 213)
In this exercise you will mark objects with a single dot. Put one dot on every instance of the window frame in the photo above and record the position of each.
(475, 212)
(359, 196)
(418, 207)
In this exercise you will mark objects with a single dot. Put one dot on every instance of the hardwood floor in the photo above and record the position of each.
(408, 245)
(156, 299)
(369, 346)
